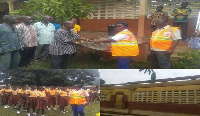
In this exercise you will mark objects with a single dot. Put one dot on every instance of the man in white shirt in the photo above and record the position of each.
(162, 44)
(45, 35)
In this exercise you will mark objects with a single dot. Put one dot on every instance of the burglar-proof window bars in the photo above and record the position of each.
(129, 9)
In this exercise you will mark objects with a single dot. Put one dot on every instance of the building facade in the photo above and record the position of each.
(180, 95)
(7, 6)
(111, 11)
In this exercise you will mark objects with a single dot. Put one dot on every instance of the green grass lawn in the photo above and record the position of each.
(87, 59)
(80, 61)
(90, 110)
(90, 59)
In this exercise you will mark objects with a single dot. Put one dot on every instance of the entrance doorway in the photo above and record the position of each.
(121, 100)
(4, 10)
(118, 102)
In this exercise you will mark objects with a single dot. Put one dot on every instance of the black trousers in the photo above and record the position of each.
(42, 51)
(184, 29)
(160, 60)
(59, 61)
(26, 54)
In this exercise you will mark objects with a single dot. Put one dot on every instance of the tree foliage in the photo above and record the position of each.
(50, 77)
(62, 10)
(150, 71)
(147, 70)
(102, 82)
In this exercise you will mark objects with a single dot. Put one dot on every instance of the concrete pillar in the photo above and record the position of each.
(11, 5)
(131, 90)
(131, 95)
(130, 100)
(142, 18)
(141, 31)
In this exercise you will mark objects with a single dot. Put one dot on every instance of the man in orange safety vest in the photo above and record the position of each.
(162, 44)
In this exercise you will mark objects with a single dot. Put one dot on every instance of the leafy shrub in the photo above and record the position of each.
(187, 60)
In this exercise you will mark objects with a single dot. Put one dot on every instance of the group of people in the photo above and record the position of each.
(33, 99)
(21, 41)
(164, 37)
(180, 18)
(162, 44)
(47, 37)
(163, 41)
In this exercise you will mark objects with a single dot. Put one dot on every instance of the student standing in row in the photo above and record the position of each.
(41, 101)
(63, 99)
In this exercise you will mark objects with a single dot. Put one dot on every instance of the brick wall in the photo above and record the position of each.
(166, 107)
(102, 24)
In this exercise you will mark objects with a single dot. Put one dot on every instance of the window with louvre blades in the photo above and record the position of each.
(129, 9)
(116, 9)
(146, 96)
(169, 96)
(181, 97)
(170, 5)
(102, 96)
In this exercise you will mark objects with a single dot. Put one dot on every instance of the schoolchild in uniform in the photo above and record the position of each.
(13, 99)
(41, 101)
(6, 94)
(63, 99)
(22, 99)
(52, 98)
(32, 100)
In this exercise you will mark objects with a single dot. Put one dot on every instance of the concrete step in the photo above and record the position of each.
(124, 112)
(114, 113)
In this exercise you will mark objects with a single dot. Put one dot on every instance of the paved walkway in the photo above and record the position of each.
(123, 112)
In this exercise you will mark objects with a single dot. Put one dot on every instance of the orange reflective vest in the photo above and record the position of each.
(164, 40)
(128, 47)
(78, 97)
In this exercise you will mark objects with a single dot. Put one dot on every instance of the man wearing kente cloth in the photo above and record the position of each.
(181, 19)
